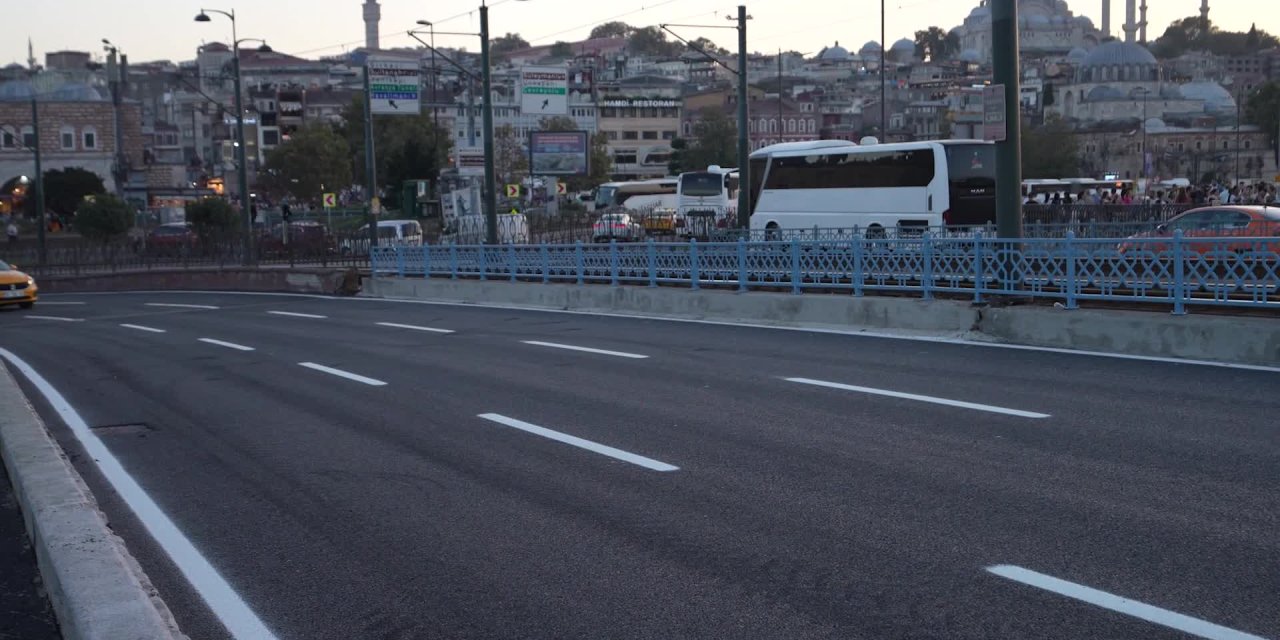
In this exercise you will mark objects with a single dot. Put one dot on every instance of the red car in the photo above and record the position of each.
(1232, 229)
(175, 238)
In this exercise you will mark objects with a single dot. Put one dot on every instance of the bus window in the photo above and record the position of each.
(702, 184)
(757, 168)
(605, 195)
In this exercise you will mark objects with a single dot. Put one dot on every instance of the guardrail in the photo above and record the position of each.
(1176, 271)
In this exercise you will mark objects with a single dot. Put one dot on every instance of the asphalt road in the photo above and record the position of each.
(733, 483)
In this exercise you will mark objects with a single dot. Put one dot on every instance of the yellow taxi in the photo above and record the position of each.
(16, 287)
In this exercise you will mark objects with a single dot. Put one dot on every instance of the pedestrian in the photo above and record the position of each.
(12, 231)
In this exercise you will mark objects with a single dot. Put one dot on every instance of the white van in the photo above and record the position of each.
(391, 233)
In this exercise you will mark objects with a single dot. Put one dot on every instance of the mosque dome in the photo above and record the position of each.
(15, 90)
(1104, 93)
(1077, 55)
(1117, 53)
(1213, 95)
(834, 53)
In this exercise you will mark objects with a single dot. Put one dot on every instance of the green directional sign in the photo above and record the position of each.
(544, 91)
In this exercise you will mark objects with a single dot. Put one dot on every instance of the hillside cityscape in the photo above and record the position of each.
(1183, 101)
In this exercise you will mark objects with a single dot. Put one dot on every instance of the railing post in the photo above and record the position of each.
(453, 261)
(859, 275)
(742, 264)
(546, 262)
(1073, 287)
(795, 265)
(484, 261)
(977, 267)
(653, 263)
(1179, 275)
(613, 262)
(926, 281)
(400, 261)
(511, 260)
(693, 263)
(577, 259)
(426, 261)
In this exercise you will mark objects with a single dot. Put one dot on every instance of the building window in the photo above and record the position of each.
(1248, 143)
(1199, 145)
(650, 135)
(791, 126)
(773, 126)
(813, 126)
(668, 135)
(67, 138)
(612, 135)
(625, 157)
(1225, 143)
(630, 135)
(90, 138)
(7, 140)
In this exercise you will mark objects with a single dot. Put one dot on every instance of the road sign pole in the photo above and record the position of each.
(490, 182)
(370, 164)
(744, 168)
(1004, 44)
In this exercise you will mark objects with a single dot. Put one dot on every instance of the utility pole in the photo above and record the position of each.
(39, 177)
(489, 190)
(884, 90)
(1004, 44)
(779, 94)
(744, 168)
(370, 164)
(114, 82)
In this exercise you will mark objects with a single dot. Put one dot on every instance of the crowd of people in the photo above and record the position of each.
(1212, 194)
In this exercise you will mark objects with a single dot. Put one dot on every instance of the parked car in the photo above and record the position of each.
(16, 287)
(304, 239)
(172, 239)
(1207, 230)
(616, 226)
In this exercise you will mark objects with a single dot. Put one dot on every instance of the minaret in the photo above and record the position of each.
(1204, 14)
(1142, 22)
(1130, 20)
(1106, 18)
(31, 55)
(372, 13)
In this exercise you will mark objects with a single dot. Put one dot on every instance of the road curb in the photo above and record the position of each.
(98, 590)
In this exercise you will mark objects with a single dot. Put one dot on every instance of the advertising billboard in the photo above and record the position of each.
(559, 153)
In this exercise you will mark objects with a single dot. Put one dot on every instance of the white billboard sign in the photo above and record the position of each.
(469, 160)
(394, 87)
(544, 91)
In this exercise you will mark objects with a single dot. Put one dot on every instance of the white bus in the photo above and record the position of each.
(706, 200)
(876, 187)
(621, 194)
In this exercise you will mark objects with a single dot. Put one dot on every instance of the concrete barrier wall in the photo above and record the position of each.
(1219, 338)
(233, 279)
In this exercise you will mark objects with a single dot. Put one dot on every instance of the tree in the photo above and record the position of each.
(611, 30)
(1050, 151)
(104, 217)
(934, 44)
(510, 157)
(1194, 34)
(213, 218)
(1263, 109)
(501, 46)
(407, 147)
(315, 158)
(652, 41)
(599, 162)
(715, 141)
(65, 189)
(562, 49)
(708, 46)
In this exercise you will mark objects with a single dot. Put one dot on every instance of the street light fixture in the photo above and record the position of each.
(243, 168)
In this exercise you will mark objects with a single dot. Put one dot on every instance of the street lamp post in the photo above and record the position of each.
(243, 168)
(490, 190)
(471, 77)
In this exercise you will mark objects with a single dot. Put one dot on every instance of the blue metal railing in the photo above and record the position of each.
(1175, 271)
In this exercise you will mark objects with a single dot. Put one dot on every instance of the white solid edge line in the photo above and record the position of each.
(912, 396)
(58, 318)
(605, 450)
(61, 303)
(143, 328)
(229, 345)
(343, 374)
(180, 306)
(603, 352)
(294, 314)
(227, 605)
(884, 335)
(414, 327)
(1119, 604)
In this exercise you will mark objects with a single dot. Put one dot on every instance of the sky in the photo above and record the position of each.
(164, 29)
